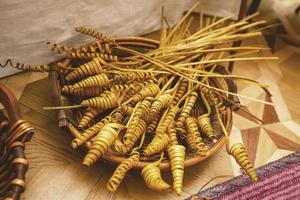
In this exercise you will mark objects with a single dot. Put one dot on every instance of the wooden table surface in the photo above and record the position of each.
(55, 170)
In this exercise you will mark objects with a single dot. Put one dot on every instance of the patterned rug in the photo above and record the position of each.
(277, 180)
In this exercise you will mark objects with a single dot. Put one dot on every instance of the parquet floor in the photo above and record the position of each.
(55, 171)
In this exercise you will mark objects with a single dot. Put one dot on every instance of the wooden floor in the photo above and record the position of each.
(55, 171)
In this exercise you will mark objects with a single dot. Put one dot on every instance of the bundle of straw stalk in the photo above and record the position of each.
(144, 103)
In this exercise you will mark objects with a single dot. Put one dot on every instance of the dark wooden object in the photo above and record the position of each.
(14, 132)
(242, 13)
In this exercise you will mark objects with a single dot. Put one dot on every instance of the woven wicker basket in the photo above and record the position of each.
(14, 132)
(68, 123)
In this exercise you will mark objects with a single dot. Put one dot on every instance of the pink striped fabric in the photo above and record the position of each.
(283, 185)
(276, 181)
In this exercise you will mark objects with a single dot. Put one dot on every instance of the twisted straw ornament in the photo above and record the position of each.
(119, 88)
(110, 100)
(136, 128)
(161, 139)
(176, 155)
(91, 55)
(172, 134)
(158, 143)
(88, 116)
(102, 142)
(153, 123)
(90, 48)
(133, 76)
(214, 98)
(182, 89)
(59, 48)
(136, 125)
(126, 109)
(103, 47)
(82, 92)
(90, 132)
(193, 136)
(119, 174)
(99, 80)
(206, 127)
(91, 68)
(238, 151)
(117, 117)
(134, 88)
(149, 90)
(186, 110)
(143, 109)
(152, 176)
(160, 103)
(93, 33)
(26, 67)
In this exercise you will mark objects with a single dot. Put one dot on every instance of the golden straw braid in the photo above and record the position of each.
(82, 92)
(193, 136)
(161, 139)
(152, 176)
(101, 142)
(176, 154)
(88, 116)
(214, 98)
(110, 100)
(93, 33)
(119, 174)
(99, 80)
(160, 103)
(149, 90)
(134, 131)
(186, 110)
(91, 68)
(182, 89)
(91, 55)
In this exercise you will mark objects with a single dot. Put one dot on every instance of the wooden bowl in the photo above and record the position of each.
(14, 132)
(67, 123)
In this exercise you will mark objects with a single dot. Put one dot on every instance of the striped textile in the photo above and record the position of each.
(277, 180)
